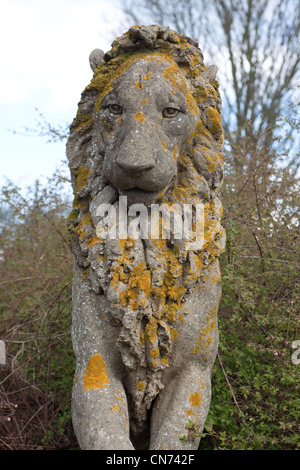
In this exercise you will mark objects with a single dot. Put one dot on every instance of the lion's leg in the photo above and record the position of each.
(99, 404)
(179, 414)
(180, 410)
(100, 416)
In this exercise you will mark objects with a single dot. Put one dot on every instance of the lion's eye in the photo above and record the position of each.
(115, 109)
(170, 112)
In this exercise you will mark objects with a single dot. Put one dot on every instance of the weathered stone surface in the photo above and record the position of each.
(144, 328)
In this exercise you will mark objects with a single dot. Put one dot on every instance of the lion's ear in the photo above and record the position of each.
(95, 58)
(210, 73)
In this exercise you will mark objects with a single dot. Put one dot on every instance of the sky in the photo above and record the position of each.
(45, 46)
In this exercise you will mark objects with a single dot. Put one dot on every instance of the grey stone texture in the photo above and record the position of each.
(145, 329)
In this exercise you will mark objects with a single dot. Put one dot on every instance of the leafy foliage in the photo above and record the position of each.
(255, 402)
(255, 388)
(36, 262)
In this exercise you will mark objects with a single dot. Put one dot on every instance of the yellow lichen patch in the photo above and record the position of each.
(118, 396)
(204, 340)
(164, 360)
(173, 334)
(151, 330)
(154, 353)
(138, 85)
(138, 290)
(147, 76)
(195, 399)
(140, 386)
(144, 101)
(78, 204)
(214, 121)
(191, 103)
(119, 273)
(141, 338)
(175, 152)
(140, 117)
(116, 408)
(212, 215)
(92, 241)
(215, 279)
(73, 216)
(83, 121)
(82, 177)
(201, 93)
(164, 146)
(120, 121)
(184, 191)
(200, 131)
(95, 375)
(181, 318)
(211, 167)
(153, 364)
(87, 220)
(174, 75)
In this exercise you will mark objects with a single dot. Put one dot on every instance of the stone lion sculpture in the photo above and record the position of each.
(144, 329)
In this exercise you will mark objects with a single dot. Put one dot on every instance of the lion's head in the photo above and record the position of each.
(151, 104)
(148, 127)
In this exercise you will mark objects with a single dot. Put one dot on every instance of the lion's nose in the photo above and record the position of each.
(133, 167)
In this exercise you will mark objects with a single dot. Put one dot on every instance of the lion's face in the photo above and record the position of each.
(144, 121)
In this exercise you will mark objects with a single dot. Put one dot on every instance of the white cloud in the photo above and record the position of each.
(46, 44)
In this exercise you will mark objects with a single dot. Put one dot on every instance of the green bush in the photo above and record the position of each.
(35, 385)
(255, 387)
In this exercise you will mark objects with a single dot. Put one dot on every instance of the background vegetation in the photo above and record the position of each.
(255, 402)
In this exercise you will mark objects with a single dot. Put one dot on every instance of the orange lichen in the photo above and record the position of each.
(138, 290)
(92, 241)
(154, 353)
(95, 374)
(174, 152)
(214, 121)
(191, 103)
(151, 330)
(147, 76)
(82, 177)
(118, 396)
(174, 75)
(140, 117)
(200, 131)
(204, 340)
(140, 386)
(195, 399)
(138, 85)
(173, 334)
(87, 220)
(211, 166)
(116, 408)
